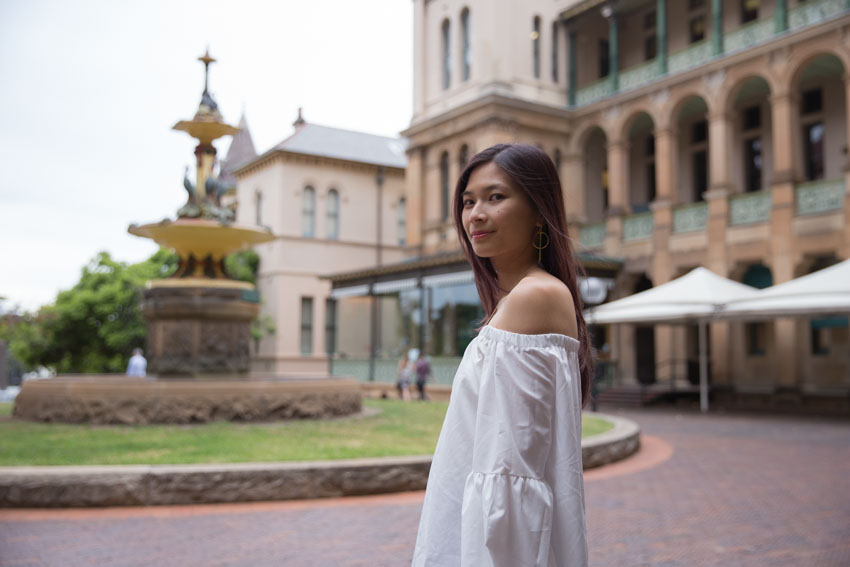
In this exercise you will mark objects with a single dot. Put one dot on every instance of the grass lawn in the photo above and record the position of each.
(396, 428)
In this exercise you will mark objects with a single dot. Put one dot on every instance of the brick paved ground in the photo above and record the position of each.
(705, 491)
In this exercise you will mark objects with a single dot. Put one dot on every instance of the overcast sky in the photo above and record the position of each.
(91, 89)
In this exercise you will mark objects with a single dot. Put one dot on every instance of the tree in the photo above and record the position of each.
(94, 326)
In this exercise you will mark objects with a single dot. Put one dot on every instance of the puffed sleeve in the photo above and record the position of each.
(507, 506)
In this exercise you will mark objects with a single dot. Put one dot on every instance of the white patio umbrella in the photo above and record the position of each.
(826, 291)
(695, 297)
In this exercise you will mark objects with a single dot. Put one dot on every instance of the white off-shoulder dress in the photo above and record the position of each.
(506, 486)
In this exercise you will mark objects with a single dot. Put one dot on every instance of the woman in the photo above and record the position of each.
(506, 486)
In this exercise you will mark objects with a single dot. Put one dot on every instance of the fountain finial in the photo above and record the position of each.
(206, 60)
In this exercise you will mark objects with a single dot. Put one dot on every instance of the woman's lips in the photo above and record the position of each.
(479, 234)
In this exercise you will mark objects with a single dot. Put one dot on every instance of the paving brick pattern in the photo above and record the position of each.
(721, 490)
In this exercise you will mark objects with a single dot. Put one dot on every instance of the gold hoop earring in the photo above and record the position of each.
(539, 243)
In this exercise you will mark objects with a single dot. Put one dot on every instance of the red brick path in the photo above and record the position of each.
(703, 491)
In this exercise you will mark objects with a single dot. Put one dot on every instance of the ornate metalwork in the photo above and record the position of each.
(638, 227)
(640, 75)
(690, 218)
(749, 35)
(594, 92)
(592, 235)
(693, 56)
(813, 12)
(819, 196)
(749, 208)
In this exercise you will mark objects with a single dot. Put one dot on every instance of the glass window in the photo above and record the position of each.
(447, 55)
(650, 47)
(699, 132)
(466, 45)
(753, 164)
(259, 204)
(756, 338)
(812, 101)
(697, 29)
(463, 156)
(333, 214)
(749, 10)
(330, 326)
(813, 139)
(751, 118)
(402, 222)
(444, 185)
(555, 52)
(604, 61)
(308, 212)
(454, 314)
(700, 162)
(535, 47)
(306, 325)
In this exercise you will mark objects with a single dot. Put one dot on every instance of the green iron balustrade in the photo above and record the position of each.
(592, 235)
(749, 208)
(814, 12)
(819, 196)
(690, 218)
(637, 227)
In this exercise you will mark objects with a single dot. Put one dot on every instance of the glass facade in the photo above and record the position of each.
(439, 317)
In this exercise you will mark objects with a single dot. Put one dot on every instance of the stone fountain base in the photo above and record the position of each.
(139, 401)
(199, 326)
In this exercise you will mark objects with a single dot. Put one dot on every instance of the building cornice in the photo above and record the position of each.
(275, 154)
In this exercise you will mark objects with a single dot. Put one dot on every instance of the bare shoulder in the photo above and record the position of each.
(538, 304)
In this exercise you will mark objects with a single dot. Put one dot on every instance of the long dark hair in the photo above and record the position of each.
(533, 172)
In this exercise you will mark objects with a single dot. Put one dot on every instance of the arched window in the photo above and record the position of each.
(555, 51)
(463, 156)
(402, 221)
(447, 55)
(308, 212)
(535, 47)
(258, 201)
(332, 220)
(466, 48)
(444, 185)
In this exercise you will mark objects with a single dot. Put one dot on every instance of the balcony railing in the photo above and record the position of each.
(814, 12)
(637, 227)
(808, 14)
(592, 235)
(641, 75)
(692, 56)
(819, 196)
(749, 35)
(591, 93)
(749, 208)
(690, 218)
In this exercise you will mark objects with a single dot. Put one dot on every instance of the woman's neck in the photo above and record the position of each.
(510, 273)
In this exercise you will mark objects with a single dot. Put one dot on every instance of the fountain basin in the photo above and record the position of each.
(116, 399)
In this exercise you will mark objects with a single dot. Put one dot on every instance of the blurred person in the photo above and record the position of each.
(506, 485)
(404, 374)
(138, 365)
(423, 372)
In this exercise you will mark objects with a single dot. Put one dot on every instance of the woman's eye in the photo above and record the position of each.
(496, 197)
(468, 203)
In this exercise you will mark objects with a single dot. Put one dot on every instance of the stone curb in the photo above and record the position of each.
(151, 485)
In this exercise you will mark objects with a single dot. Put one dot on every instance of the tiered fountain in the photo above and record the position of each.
(198, 325)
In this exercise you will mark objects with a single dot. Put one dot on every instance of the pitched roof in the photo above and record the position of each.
(240, 152)
(325, 141)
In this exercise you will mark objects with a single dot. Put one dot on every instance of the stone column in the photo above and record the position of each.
(662, 272)
(719, 151)
(661, 34)
(665, 143)
(782, 114)
(572, 182)
(572, 72)
(846, 243)
(415, 198)
(716, 27)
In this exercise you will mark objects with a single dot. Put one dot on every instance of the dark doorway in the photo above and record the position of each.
(644, 343)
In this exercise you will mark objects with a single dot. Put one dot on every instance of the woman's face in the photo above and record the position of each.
(498, 217)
